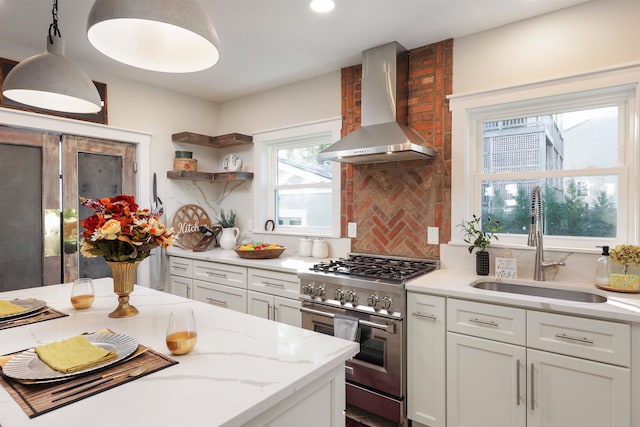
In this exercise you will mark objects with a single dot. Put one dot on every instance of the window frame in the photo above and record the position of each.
(266, 143)
(469, 111)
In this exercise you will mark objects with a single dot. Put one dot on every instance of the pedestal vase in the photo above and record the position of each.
(124, 277)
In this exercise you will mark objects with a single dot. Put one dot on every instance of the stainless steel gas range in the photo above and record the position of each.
(364, 296)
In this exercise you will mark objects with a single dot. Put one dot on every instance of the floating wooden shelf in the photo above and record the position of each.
(210, 176)
(220, 141)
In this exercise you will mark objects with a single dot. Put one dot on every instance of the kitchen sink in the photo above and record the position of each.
(578, 296)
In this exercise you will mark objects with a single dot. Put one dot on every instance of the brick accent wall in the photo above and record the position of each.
(394, 203)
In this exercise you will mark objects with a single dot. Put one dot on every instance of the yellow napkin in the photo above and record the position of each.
(7, 308)
(73, 354)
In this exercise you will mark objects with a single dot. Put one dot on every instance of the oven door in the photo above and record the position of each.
(379, 364)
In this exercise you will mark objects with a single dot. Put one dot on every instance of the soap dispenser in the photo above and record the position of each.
(603, 267)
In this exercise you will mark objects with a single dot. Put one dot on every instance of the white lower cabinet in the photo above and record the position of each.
(284, 310)
(513, 367)
(485, 383)
(270, 294)
(274, 295)
(181, 286)
(426, 335)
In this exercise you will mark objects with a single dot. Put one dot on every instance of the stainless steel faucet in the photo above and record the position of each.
(535, 237)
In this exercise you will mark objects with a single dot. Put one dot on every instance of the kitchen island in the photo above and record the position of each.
(244, 370)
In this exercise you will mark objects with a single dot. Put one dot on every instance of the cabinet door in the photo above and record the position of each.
(570, 392)
(485, 383)
(180, 286)
(426, 337)
(287, 311)
(259, 304)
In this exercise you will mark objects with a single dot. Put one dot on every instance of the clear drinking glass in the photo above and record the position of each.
(181, 333)
(82, 294)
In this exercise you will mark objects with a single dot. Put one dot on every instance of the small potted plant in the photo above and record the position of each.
(626, 256)
(230, 232)
(479, 238)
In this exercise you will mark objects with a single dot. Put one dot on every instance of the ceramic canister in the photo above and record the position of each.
(320, 249)
(305, 247)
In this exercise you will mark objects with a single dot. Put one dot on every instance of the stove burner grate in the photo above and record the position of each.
(388, 269)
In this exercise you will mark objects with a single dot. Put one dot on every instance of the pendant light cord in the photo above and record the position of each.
(53, 27)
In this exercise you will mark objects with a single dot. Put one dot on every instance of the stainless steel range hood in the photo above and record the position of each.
(385, 135)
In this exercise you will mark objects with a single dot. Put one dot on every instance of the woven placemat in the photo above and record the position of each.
(43, 315)
(38, 399)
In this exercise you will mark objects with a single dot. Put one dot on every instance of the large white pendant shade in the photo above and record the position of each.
(51, 81)
(174, 36)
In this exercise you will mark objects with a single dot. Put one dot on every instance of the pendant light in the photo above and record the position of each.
(51, 81)
(173, 36)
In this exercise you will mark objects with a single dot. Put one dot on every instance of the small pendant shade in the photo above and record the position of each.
(174, 36)
(51, 81)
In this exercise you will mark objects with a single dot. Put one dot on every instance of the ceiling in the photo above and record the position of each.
(270, 43)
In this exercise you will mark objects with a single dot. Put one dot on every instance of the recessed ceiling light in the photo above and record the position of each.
(322, 6)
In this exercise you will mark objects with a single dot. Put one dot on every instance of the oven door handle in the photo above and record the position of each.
(389, 328)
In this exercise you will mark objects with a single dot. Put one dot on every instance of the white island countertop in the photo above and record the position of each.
(454, 283)
(241, 368)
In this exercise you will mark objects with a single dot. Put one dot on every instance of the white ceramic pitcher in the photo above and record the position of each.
(229, 237)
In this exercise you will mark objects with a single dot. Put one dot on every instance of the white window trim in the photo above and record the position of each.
(262, 197)
(464, 108)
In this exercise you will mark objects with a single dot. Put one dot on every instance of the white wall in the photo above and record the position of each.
(587, 37)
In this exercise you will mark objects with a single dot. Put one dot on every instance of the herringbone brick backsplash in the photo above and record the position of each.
(394, 203)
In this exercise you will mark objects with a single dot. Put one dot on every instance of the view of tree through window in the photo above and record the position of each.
(303, 186)
(567, 155)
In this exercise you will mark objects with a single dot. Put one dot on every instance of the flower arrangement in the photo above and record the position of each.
(227, 222)
(476, 235)
(626, 255)
(120, 231)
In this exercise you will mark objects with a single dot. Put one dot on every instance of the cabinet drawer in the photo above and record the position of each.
(222, 274)
(221, 295)
(506, 324)
(598, 340)
(180, 266)
(275, 283)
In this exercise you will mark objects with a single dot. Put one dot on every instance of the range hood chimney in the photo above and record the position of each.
(385, 135)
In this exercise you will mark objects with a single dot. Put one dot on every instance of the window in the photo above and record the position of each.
(577, 145)
(297, 191)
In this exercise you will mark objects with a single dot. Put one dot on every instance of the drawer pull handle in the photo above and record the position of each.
(484, 322)
(424, 316)
(584, 340)
(214, 274)
(216, 302)
(179, 267)
(533, 390)
(518, 398)
(273, 285)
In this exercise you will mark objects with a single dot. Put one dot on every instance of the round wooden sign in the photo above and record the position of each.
(186, 224)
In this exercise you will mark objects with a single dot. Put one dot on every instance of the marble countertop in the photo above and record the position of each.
(453, 283)
(285, 263)
(241, 364)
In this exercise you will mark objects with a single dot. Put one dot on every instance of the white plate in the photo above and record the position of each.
(28, 366)
(232, 163)
(30, 304)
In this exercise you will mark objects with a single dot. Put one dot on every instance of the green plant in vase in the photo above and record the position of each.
(230, 232)
(227, 221)
(479, 237)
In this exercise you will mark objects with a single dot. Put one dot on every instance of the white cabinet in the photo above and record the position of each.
(426, 359)
(485, 383)
(220, 295)
(274, 295)
(505, 371)
(270, 294)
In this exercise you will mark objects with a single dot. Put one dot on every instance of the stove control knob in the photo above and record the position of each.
(339, 295)
(373, 300)
(319, 291)
(386, 302)
(351, 297)
(308, 289)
